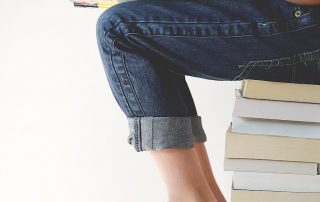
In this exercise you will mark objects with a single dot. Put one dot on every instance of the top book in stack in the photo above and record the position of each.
(295, 92)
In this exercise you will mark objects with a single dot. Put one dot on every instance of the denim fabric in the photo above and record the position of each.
(147, 48)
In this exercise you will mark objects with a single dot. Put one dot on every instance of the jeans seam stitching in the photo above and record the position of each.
(293, 72)
(292, 58)
(168, 22)
(252, 67)
(114, 69)
(140, 139)
(230, 36)
(136, 133)
(131, 86)
(239, 76)
(215, 36)
(152, 135)
(179, 22)
(316, 56)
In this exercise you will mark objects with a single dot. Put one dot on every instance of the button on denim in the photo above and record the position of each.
(148, 47)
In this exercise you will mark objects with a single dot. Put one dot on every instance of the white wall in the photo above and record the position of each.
(62, 135)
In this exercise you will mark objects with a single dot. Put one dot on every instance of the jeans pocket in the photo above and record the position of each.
(258, 71)
(295, 68)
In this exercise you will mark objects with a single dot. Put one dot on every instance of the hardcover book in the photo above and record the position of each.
(276, 182)
(268, 196)
(248, 146)
(278, 110)
(270, 166)
(270, 90)
(275, 127)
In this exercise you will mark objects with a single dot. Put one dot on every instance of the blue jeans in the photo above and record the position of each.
(147, 48)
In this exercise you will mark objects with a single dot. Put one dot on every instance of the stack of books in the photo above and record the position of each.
(273, 142)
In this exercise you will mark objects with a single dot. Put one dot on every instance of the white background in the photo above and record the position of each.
(62, 135)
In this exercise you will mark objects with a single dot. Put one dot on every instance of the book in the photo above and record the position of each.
(275, 127)
(278, 110)
(248, 146)
(276, 182)
(271, 90)
(268, 196)
(270, 166)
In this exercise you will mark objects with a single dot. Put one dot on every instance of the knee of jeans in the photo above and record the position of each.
(110, 24)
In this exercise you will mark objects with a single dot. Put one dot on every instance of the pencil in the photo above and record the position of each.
(99, 4)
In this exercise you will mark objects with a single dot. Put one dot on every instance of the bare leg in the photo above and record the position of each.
(206, 168)
(183, 176)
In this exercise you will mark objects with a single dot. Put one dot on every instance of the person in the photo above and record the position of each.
(147, 47)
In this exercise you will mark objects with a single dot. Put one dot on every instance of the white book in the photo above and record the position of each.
(279, 110)
(275, 127)
(272, 196)
(276, 182)
(270, 166)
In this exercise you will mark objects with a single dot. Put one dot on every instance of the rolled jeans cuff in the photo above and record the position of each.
(158, 133)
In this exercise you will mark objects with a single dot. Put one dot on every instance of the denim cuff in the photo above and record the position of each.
(197, 130)
(158, 133)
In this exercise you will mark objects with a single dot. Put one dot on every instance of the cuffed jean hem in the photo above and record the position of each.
(158, 133)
